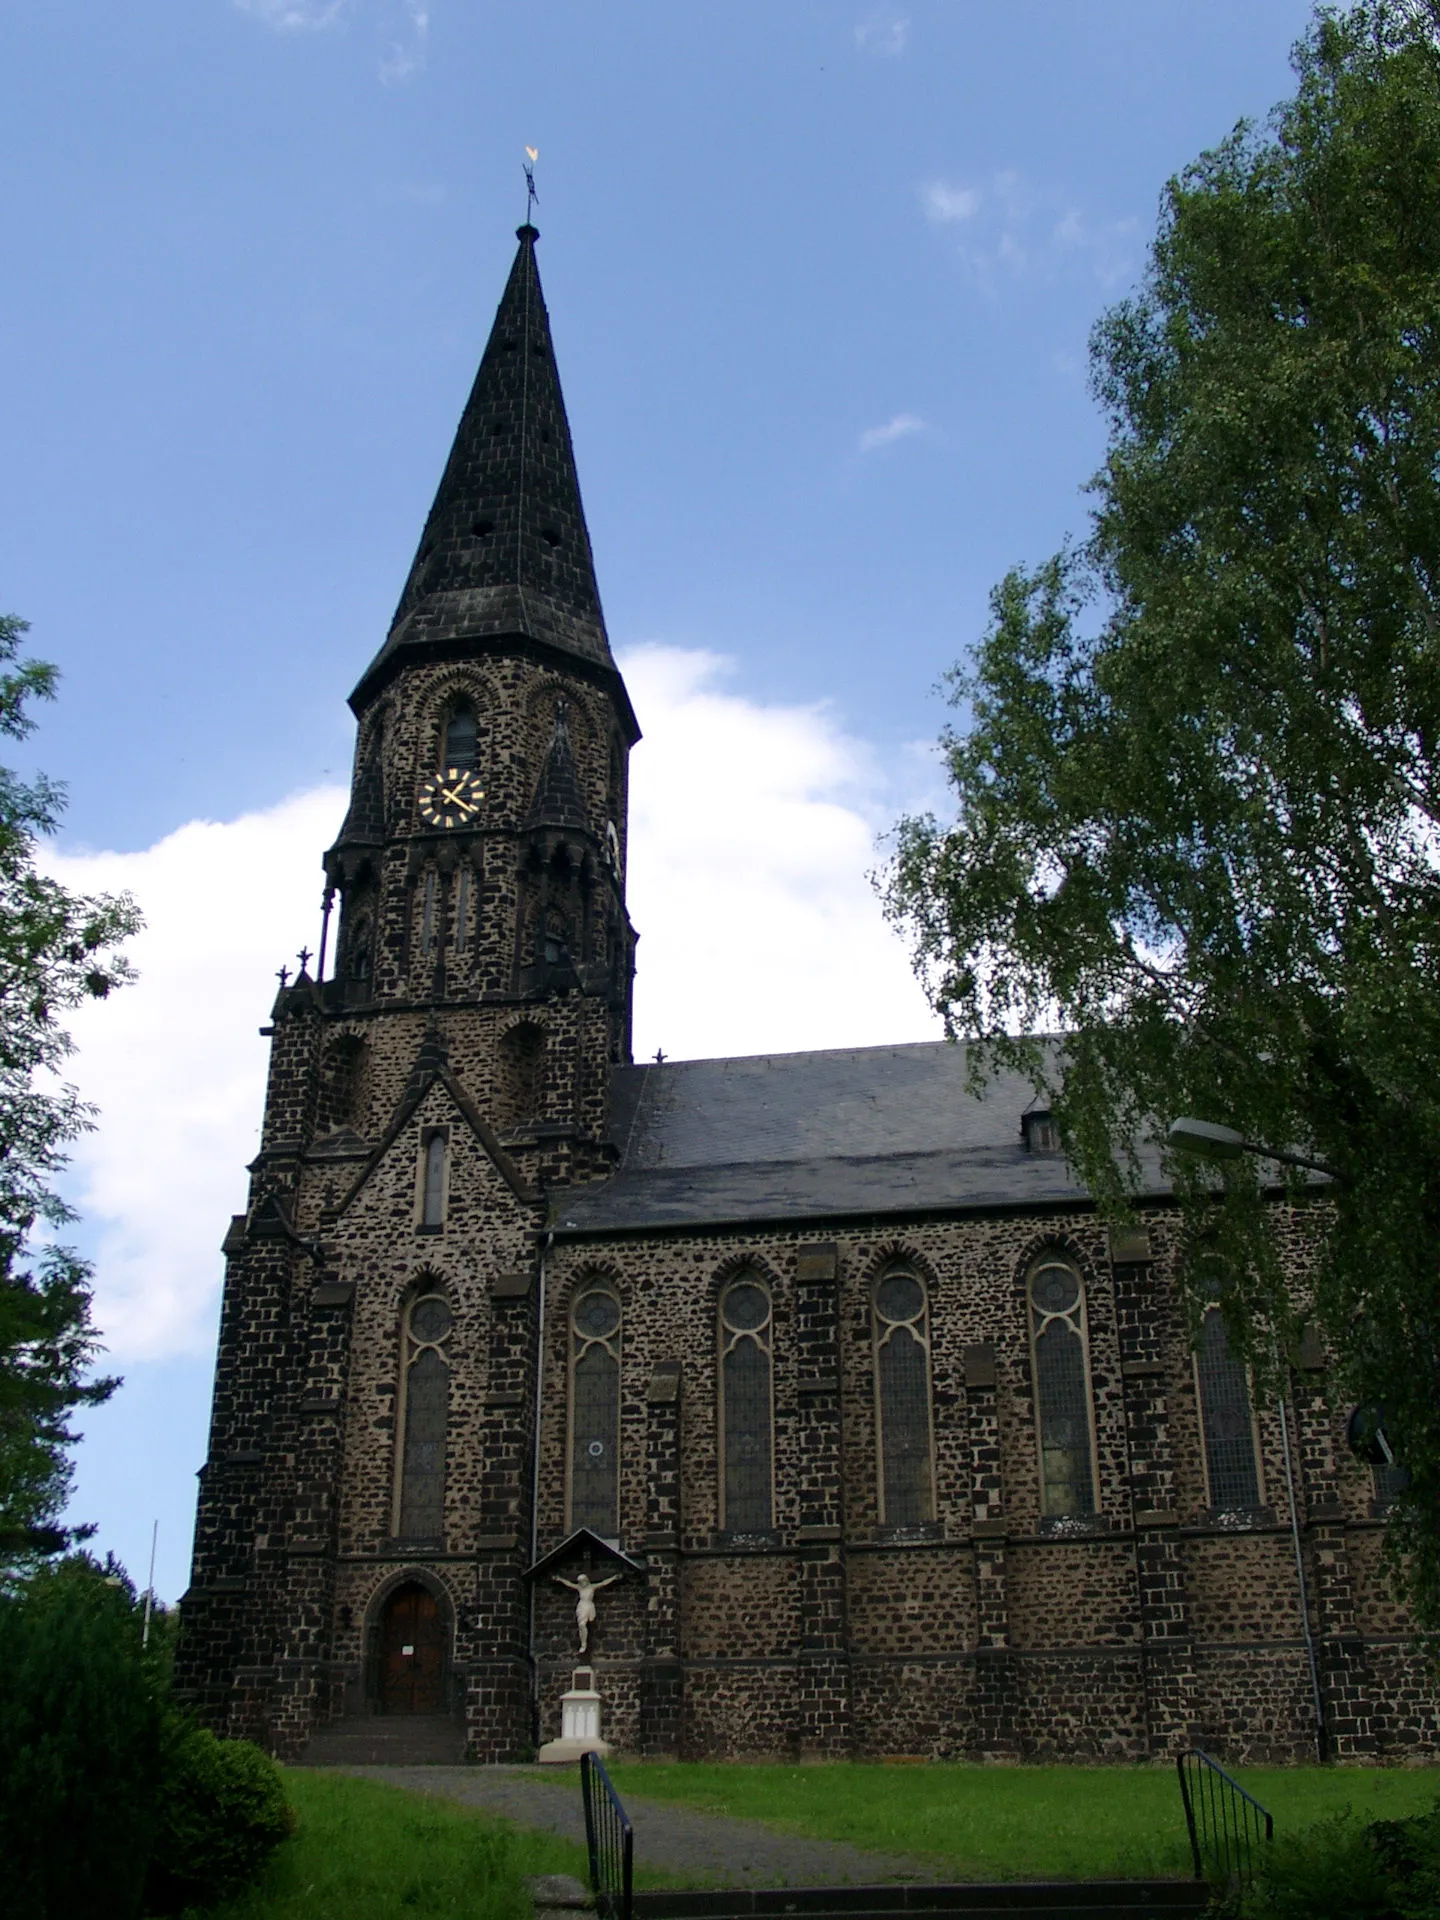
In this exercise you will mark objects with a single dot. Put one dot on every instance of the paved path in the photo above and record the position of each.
(699, 1849)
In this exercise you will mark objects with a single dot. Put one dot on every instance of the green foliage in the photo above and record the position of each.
(222, 1814)
(1014, 1823)
(1198, 801)
(1389, 1870)
(370, 1852)
(81, 1732)
(56, 950)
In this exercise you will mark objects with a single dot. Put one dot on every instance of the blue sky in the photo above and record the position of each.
(821, 279)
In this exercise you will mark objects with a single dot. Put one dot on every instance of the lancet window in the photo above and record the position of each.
(433, 1172)
(1227, 1420)
(902, 1390)
(746, 1407)
(423, 1418)
(429, 912)
(1064, 1415)
(595, 1322)
(464, 888)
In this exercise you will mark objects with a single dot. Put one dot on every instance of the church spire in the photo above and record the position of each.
(505, 551)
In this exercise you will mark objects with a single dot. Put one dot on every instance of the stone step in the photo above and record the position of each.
(387, 1740)
(1004, 1900)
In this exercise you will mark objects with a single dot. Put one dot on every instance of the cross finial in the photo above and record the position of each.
(304, 958)
(659, 1056)
(532, 198)
(283, 976)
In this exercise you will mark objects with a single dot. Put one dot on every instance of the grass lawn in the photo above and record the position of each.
(368, 1852)
(1017, 1823)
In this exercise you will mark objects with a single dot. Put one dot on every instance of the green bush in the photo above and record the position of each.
(82, 1714)
(223, 1812)
(1338, 1869)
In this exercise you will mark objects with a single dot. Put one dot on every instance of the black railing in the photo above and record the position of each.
(610, 1838)
(1226, 1823)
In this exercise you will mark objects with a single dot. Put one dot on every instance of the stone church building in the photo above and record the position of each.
(885, 1445)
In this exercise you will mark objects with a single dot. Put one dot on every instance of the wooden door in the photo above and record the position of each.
(412, 1653)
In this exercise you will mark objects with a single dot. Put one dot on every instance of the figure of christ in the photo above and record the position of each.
(585, 1605)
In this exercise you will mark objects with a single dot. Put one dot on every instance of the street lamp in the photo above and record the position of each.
(1207, 1140)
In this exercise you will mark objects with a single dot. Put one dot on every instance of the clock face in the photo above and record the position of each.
(451, 798)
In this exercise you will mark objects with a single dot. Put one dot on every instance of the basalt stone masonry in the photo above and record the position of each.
(885, 1444)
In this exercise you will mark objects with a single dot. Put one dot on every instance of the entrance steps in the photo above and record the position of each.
(1007, 1900)
(387, 1740)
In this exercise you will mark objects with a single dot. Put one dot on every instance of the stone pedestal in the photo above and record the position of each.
(579, 1723)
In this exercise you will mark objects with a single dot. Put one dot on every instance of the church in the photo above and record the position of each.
(872, 1439)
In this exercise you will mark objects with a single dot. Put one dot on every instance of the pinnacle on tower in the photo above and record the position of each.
(505, 551)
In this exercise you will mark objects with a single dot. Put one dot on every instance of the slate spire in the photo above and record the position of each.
(505, 551)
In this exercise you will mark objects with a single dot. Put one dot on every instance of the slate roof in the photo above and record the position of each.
(809, 1136)
(505, 549)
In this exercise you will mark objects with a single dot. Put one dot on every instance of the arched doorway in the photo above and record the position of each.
(412, 1651)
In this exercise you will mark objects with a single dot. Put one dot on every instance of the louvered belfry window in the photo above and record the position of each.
(746, 1407)
(425, 1391)
(1060, 1347)
(595, 1412)
(1227, 1420)
(902, 1384)
(461, 740)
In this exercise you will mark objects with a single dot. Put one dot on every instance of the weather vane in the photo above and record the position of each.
(532, 198)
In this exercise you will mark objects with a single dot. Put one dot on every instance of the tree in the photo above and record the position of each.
(56, 950)
(1198, 801)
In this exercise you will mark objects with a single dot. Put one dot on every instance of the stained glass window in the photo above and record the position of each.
(746, 1411)
(902, 1379)
(1226, 1420)
(595, 1413)
(1062, 1388)
(425, 1391)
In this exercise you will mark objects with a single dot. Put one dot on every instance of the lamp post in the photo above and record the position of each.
(1207, 1140)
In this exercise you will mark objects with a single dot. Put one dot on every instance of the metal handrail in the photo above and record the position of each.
(610, 1839)
(1226, 1823)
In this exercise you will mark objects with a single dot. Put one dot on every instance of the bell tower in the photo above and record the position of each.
(481, 864)
(372, 1439)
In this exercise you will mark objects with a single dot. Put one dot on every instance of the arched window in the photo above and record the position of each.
(595, 1412)
(461, 740)
(1060, 1347)
(432, 1179)
(423, 1417)
(746, 1407)
(1227, 1420)
(902, 1393)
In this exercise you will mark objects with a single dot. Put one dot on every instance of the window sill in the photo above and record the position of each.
(431, 1230)
(740, 1542)
(1072, 1526)
(1237, 1519)
(919, 1534)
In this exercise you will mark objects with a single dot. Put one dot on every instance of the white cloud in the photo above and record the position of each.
(898, 428)
(296, 16)
(403, 26)
(752, 830)
(404, 54)
(945, 203)
(174, 1062)
(887, 34)
(1014, 230)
